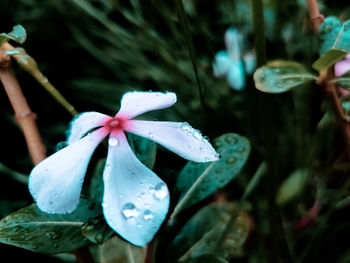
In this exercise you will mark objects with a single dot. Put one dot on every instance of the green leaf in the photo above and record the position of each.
(35, 230)
(329, 59)
(144, 149)
(97, 230)
(334, 34)
(96, 184)
(203, 231)
(344, 82)
(117, 250)
(280, 76)
(292, 186)
(17, 34)
(197, 181)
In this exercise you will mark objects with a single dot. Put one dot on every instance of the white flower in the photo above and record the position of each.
(135, 200)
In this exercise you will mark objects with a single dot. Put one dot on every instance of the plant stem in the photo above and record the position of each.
(26, 120)
(23, 114)
(259, 31)
(29, 64)
(325, 80)
(315, 16)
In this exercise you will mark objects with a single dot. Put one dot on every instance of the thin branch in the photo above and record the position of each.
(23, 114)
(326, 78)
(30, 65)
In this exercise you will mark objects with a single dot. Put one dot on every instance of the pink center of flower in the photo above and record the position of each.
(116, 123)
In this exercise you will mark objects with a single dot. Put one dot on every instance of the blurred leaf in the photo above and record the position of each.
(280, 76)
(35, 230)
(206, 259)
(97, 230)
(203, 231)
(96, 184)
(17, 34)
(334, 34)
(344, 82)
(19, 177)
(329, 59)
(197, 181)
(116, 250)
(144, 149)
(292, 186)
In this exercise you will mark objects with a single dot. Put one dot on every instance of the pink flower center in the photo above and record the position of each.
(116, 123)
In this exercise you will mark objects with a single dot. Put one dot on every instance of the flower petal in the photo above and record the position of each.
(221, 64)
(178, 137)
(55, 183)
(136, 102)
(135, 200)
(83, 123)
(342, 66)
(234, 42)
(236, 76)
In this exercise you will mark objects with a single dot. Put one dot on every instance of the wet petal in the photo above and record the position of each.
(55, 183)
(135, 200)
(221, 64)
(236, 76)
(234, 42)
(137, 102)
(178, 137)
(83, 123)
(342, 66)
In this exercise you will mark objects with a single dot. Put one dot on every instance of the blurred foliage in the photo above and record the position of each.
(93, 51)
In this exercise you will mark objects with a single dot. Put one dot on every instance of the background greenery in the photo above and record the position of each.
(94, 51)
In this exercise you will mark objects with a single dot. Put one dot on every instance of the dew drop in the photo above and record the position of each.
(230, 139)
(113, 141)
(206, 159)
(129, 210)
(104, 204)
(185, 126)
(218, 170)
(147, 205)
(160, 191)
(197, 134)
(231, 160)
(150, 135)
(139, 225)
(241, 149)
(202, 149)
(148, 215)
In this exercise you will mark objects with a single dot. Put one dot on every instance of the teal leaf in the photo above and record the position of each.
(144, 149)
(343, 81)
(96, 184)
(32, 229)
(329, 59)
(280, 76)
(201, 233)
(97, 230)
(17, 34)
(117, 250)
(292, 186)
(197, 181)
(334, 35)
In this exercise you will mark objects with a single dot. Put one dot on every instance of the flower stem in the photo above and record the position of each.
(26, 120)
(259, 31)
(325, 80)
(23, 114)
(29, 64)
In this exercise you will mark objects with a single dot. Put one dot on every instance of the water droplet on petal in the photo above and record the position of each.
(129, 210)
(185, 126)
(231, 160)
(139, 225)
(150, 135)
(151, 190)
(148, 215)
(202, 149)
(197, 134)
(104, 204)
(160, 191)
(147, 205)
(113, 141)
